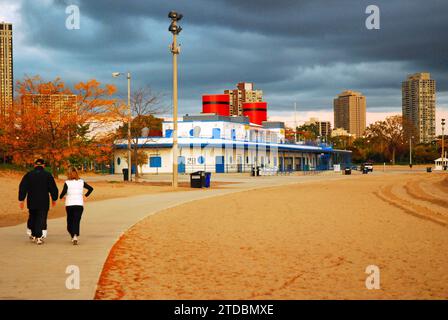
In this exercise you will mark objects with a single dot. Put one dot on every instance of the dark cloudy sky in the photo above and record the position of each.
(294, 50)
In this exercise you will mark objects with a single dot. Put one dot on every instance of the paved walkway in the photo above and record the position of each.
(28, 271)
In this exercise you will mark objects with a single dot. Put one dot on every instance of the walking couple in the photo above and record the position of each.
(37, 185)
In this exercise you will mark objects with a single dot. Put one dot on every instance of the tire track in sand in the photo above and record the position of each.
(409, 191)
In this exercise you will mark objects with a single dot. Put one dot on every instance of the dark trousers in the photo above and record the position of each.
(74, 214)
(44, 227)
(37, 221)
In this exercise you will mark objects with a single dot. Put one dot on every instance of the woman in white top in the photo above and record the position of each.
(74, 201)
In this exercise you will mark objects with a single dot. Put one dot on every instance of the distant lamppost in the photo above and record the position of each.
(175, 50)
(115, 75)
(410, 151)
(443, 143)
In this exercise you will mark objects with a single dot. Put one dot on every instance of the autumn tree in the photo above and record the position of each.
(4, 139)
(389, 133)
(308, 132)
(341, 142)
(50, 118)
(425, 153)
(145, 106)
(290, 134)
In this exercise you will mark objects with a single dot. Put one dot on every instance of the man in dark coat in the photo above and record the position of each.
(36, 186)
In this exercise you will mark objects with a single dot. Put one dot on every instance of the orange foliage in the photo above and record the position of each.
(51, 121)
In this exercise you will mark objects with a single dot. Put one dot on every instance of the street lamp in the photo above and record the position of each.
(443, 143)
(410, 151)
(175, 50)
(116, 75)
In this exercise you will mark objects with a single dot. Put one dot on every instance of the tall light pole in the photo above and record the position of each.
(115, 75)
(443, 143)
(175, 50)
(410, 151)
(295, 122)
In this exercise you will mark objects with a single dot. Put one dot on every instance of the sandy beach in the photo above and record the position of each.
(307, 241)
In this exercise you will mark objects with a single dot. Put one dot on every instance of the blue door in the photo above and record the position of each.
(181, 165)
(219, 166)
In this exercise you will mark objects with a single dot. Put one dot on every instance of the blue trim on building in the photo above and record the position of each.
(210, 121)
(280, 147)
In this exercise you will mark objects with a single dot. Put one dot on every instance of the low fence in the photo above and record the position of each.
(247, 168)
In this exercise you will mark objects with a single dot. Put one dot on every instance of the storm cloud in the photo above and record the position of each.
(294, 50)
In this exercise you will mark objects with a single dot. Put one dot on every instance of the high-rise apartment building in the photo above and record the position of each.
(419, 106)
(324, 127)
(350, 112)
(6, 68)
(57, 104)
(243, 93)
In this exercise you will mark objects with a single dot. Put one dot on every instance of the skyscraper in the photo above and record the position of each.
(243, 93)
(419, 106)
(6, 70)
(350, 112)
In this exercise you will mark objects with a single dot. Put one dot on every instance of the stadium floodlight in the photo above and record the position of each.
(175, 29)
(173, 15)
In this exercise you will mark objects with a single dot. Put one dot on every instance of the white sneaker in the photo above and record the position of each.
(44, 234)
(75, 240)
(33, 239)
(39, 241)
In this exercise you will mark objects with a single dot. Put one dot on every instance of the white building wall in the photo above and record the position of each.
(165, 154)
(234, 157)
(243, 132)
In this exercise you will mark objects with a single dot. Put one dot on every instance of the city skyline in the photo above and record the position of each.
(287, 70)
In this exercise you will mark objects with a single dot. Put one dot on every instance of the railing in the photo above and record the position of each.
(247, 168)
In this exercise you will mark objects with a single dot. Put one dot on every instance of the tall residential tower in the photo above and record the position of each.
(6, 70)
(243, 93)
(350, 112)
(419, 106)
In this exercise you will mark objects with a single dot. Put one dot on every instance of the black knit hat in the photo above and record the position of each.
(39, 162)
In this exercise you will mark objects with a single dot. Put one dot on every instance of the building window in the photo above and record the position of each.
(168, 133)
(216, 133)
(118, 161)
(155, 162)
(201, 160)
